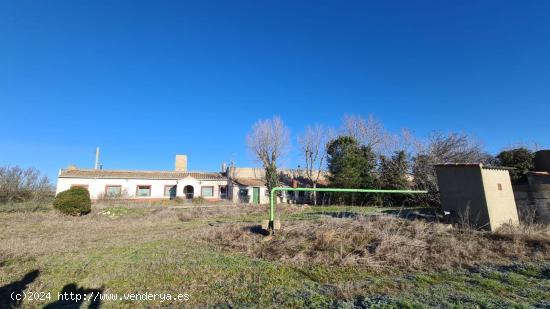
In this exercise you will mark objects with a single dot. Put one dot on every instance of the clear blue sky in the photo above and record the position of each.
(146, 80)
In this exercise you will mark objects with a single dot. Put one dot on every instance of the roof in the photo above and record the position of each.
(255, 182)
(136, 174)
(250, 182)
(474, 165)
(302, 182)
(538, 173)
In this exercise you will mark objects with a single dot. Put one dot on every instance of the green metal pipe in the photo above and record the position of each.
(272, 195)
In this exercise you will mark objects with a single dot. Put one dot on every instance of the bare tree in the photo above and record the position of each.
(369, 132)
(18, 184)
(403, 141)
(269, 140)
(454, 148)
(312, 144)
(444, 148)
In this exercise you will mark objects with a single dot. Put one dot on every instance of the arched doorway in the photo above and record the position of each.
(188, 192)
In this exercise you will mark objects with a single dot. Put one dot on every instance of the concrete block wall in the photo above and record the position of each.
(533, 201)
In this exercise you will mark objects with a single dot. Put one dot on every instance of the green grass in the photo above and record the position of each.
(114, 212)
(137, 250)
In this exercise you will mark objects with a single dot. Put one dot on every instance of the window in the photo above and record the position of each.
(143, 191)
(223, 192)
(207, 191)
(243, 196)
(170, 190)
(499, 187)
(113, 190)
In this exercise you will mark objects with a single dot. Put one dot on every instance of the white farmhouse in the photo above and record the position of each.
(160, 185)
(145, 185)
(235, 184)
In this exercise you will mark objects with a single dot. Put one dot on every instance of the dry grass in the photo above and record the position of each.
(29, 235)
(209, 212)
(384, 241)
(240, 211)
(217, 255)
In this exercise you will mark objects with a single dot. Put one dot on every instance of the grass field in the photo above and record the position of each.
(339, 257)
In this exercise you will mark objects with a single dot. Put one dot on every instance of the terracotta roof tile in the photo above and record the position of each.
(135, 174)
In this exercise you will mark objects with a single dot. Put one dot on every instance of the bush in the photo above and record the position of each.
(177, 200)
(198, 200)
(75, 202)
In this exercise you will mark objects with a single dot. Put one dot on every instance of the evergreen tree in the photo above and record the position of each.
(393, 171)
(351, 166)
(393, 176)
(423, 173)
(520, 158)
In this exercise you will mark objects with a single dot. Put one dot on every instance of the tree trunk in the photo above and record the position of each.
(314, 194)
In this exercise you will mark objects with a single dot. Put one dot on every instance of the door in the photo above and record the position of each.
(223, 192)
(255, 195)
(188, 191)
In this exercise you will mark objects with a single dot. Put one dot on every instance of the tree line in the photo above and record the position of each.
(363, 154)
(21, 185)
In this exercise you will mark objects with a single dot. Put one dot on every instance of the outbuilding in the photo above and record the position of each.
(480, 194)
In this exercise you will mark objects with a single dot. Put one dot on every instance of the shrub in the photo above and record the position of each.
(199, 200)
(75, 202)
(178, 200)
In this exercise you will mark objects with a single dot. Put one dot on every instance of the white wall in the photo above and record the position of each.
(264, 197)
(97, 186)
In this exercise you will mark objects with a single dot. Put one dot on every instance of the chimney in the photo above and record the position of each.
(96, 165)
(181, 163)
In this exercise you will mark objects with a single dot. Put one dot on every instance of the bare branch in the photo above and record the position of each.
(17, 184)
(312, 144)
(369, 132)
(269, 141)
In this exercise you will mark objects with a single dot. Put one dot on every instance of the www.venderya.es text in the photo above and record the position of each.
(100, 297)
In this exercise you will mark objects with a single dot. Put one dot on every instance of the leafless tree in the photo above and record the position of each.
(404, 141)
(454, 148)
(444, 148)
(371, 132)
(18, 184)
(269, 140)
(312, 144)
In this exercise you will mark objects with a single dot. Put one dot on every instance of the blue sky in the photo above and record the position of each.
(145, 80)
